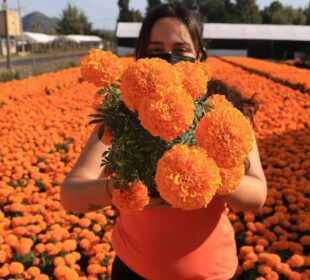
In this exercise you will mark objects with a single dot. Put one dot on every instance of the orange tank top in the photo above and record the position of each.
(173, 244)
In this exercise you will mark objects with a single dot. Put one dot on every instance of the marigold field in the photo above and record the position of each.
(44, 125)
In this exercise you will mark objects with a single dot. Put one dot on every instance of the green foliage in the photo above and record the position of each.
(247, 11)
(218, 11)
(152, 4)
(26, 260)
(126, 14)
(73, 21)
(9, 76)
(307, 13)
(134, 152)
(276, 13)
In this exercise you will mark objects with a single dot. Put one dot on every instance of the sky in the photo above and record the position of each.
(103, 13)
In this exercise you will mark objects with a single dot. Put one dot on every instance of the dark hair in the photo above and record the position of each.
(176, 10)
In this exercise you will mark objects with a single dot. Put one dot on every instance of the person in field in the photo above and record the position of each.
(160, 242)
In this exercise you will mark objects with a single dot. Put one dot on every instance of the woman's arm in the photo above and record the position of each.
(83, 190)
(252, 192)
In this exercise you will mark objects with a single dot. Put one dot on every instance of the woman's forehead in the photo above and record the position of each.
(170, 30)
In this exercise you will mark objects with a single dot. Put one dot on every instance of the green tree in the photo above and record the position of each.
(276, 13)
(307, 14)
(295, 16)
(217, 10)
(152, 4)
(73, 21)
(247, 11)
(126, 14)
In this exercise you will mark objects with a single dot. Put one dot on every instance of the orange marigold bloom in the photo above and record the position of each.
(207, 69)
(305, 240)
(296, 261)
(148, 77)
(16, 268)
(101, 68)
(133, 198)
(230, 179)
(168, 117)
(186, 177)
(226, 135)
(33, 271)
(69, 245)
(194, 78)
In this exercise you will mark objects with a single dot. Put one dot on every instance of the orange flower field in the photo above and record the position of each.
(295, 77)
(44, 125)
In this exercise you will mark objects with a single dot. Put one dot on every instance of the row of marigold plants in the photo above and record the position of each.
(273, 243)
(43, 131)
(297, 78)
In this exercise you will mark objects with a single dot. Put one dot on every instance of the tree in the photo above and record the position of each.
(276, 13)
(73, 21)
(247, 11)
(126, 14)
(217, 10)
(152, 4)
(307, 14)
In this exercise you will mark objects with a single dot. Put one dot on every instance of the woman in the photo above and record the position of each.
(161, 242)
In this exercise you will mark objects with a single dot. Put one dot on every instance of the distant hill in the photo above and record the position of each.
(38, 22)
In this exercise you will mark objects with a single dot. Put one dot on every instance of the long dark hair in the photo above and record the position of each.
(190, 19)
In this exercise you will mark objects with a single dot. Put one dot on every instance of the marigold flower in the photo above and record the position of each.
(69, 245)
(33, 271)
(226, 135)
(230, 179)
(16, 268)
(186, 177)
(194, 78)
(101, 68)
(296, 261)
(148, 78)
(207, 69)
(133, 198)
(168, 117)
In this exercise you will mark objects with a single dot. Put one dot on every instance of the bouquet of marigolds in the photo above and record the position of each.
(165, 136)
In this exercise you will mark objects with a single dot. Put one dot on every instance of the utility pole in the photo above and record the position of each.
(21, 26)
(6, 27)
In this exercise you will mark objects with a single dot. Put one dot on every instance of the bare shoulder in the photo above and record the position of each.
(88, 163)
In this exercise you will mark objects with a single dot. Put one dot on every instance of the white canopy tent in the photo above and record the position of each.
(38, 38)
(81, 38)
(41, 38)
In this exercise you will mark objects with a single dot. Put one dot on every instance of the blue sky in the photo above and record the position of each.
(103, 13)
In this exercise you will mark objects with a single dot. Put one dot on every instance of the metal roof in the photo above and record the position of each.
(234, 31)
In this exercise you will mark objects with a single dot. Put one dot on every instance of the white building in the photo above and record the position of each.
(222, 39)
